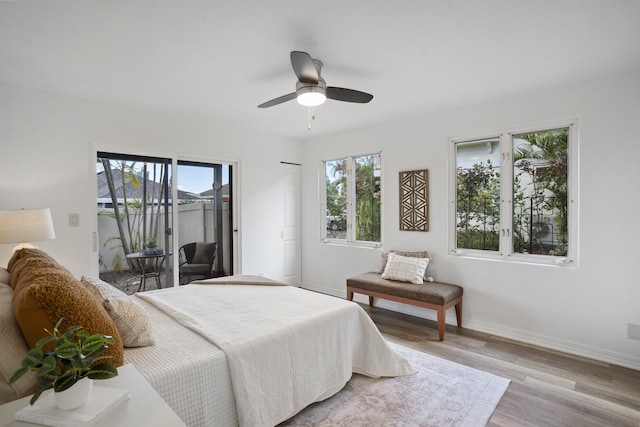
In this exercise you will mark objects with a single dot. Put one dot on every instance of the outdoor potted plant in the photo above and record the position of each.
(150, 247)
(70, 362)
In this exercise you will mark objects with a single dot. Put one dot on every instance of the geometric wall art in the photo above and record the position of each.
(414, 200)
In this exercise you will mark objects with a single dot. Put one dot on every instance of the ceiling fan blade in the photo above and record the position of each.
(304, 67)
(279, 100)
(348, 95)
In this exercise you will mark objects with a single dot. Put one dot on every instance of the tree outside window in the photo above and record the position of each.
(520, 206)
(540, 209)
(352, 201)
(478, 195)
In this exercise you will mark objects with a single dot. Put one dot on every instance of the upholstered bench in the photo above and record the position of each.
(434, 295)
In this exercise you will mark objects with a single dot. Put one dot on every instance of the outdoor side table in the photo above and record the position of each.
(149, 265)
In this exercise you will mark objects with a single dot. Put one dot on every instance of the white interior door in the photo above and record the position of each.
(291, 223)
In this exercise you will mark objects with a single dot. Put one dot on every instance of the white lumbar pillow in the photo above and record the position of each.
(405, 269)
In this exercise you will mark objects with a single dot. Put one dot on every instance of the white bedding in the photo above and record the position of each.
(188, 371)
(286, 347)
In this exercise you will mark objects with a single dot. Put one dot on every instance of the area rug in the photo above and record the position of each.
(440, 394)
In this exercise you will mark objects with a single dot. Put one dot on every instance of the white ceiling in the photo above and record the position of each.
(223, 58)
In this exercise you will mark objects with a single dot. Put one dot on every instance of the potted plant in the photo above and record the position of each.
(72, 358)
(151, 248)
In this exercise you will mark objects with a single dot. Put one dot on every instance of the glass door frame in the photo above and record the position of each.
(164, 203)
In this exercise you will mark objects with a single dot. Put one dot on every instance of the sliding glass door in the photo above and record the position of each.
(205, 212)
(134, 221)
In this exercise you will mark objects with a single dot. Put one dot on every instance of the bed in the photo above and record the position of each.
(249, 351)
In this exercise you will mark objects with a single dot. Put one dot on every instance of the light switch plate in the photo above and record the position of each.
(74, 220)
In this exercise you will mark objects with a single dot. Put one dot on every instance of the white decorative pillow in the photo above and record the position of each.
(414, 254)
(130, 317)
(405, 269)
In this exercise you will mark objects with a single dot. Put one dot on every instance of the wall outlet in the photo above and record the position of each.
(633, 331)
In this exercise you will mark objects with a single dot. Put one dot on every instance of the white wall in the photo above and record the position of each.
(47, 159)
(48, 141)
(583, 309)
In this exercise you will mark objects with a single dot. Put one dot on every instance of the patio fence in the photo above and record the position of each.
(196, 223)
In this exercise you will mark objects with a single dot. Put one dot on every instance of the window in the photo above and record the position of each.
(512, 195)
(352, 202)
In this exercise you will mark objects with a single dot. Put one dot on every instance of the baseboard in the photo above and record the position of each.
(498, 330)
(565, 346)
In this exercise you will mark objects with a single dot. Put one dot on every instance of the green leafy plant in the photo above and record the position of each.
(73, 357)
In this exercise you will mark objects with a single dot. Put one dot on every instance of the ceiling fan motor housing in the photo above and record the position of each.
(311, 94)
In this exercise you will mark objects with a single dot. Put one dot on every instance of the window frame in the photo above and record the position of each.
(349, 239)
(505, 251)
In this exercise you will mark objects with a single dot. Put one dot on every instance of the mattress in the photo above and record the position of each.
(188, 371)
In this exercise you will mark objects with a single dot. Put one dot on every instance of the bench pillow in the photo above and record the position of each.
(405, 269)
(415, 254)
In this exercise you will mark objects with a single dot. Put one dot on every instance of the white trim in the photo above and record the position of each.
(555, 344)
(526, 337)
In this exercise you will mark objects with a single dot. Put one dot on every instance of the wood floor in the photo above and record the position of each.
(548, 388)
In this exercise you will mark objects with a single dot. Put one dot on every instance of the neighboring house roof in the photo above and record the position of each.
(224, 190)
(133, 192)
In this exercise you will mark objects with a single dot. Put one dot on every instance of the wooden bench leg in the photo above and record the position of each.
(459, 313)
(441, 322)
(350, 296)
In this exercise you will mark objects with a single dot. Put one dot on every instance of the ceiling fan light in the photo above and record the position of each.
(311, 96)
(311, 99)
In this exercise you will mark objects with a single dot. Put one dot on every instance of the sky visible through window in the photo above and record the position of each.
(192, 178)
(198, 179)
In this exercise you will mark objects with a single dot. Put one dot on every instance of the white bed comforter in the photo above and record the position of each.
(286, 347)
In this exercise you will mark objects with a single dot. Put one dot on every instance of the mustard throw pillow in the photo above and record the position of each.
(44, 295)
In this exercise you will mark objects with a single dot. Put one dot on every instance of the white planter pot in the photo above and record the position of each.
(75, 396)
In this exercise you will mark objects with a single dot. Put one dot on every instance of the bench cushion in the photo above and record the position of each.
(431, 292)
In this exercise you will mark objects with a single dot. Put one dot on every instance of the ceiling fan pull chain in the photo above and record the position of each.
(312, 116)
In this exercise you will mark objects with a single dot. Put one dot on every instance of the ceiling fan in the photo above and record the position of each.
(311, 89)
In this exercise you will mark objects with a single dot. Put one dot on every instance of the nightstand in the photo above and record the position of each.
(144, 408)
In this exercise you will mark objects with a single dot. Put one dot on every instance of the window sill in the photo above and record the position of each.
(340, 242)
(542, 260)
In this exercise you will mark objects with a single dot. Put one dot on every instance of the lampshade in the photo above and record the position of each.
(26, 225)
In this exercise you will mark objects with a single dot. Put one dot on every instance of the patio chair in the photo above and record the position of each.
(196, 259)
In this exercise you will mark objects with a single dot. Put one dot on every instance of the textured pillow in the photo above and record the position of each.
(418, 254)
(14, 348)
(405, 269)
(130, 317)
(44, 295)
(30, 262)
(27, 253)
